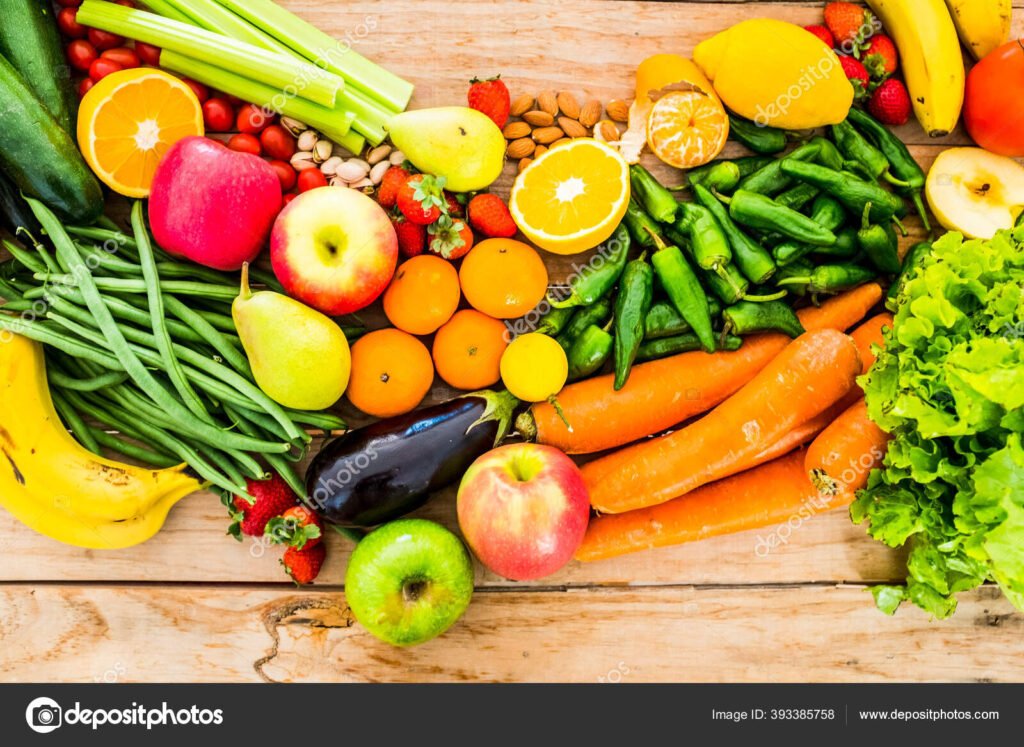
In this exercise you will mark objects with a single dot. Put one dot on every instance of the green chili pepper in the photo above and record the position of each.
(597, 314)
(684, 290)
(631, 306)
(771, 179)
(832, 278)
(745, 318)
(638, 222)
(764, 213)
(864, 156)
(914, 259)
(728, 284)
(664, 321)
(800, 268)
(595, 279)
(718, 174)
(654, 198)
(753, 260)
(796, 198)
(552, 323)
(590, 351)
(826, 212)
(764, 140)
(901, 163)
(852, 192)
(711, 248)
(846, 246)
(829, 155)
(653, 349)
(879, 244)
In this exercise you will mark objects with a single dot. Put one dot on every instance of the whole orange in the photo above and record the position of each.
(503, 278)
(467, 350)
(391, 373)
(423, 295)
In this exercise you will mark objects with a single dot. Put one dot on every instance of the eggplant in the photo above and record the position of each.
(385, 470)
(14, 211)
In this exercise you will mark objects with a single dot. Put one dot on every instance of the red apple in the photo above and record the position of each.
(523, 509)
(213, 205)
(334, 249)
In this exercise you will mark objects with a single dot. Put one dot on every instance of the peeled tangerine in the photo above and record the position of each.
(776, 74)
(975, 192)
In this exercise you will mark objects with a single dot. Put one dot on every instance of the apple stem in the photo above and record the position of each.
(246, 291)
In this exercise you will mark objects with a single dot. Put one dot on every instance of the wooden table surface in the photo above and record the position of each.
(194, 605)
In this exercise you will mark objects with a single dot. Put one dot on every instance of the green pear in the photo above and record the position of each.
(299, 357)
(456, 142)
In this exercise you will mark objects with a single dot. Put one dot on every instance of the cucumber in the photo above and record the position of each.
(30, 42)
(40, 157)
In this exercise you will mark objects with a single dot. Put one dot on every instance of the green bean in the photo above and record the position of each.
(325, 421)
(276, 462)
(134, 451)
(219, 321)
(58, 339)
(23, 256)
(111, 378)
(135, 368)
(210, 334)
(131, 285)
(74, 423)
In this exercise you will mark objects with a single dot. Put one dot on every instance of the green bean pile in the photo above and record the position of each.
(175, 388)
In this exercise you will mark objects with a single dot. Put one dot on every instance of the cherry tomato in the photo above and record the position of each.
(252, 119)
(101, 68)
(148, 53)
(68, 24)
(104, 39)
(994, 119)
(84, 86)
(218, 115)
(123, 56)
(311, 179)
(278, 142)
(202, 92)
(81, 54)
(245, 143)
(289, 197)
(69, 3)
(285, 173)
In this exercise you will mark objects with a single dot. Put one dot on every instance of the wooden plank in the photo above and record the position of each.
(208, 634)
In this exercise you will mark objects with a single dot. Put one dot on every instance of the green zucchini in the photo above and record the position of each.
(30, 42)
(40, 157)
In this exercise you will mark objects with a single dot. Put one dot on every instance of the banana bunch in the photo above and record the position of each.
(55, 486)
(983, 25)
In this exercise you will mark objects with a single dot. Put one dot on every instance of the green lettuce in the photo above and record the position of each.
(949, 387)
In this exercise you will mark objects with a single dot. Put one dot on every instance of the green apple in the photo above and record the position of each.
(409, 581)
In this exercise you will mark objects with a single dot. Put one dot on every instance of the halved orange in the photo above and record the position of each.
(687, 129)
(128, 120)
(571, 198)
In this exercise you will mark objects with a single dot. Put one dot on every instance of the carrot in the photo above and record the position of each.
(839, 460)
(774, 493)
(810, 374)
(664, 393)
(871, 333)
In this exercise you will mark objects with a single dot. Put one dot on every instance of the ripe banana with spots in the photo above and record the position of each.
(55, 486)
(983, 25)
(930, 55)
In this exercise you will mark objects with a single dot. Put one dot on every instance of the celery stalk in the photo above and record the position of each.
(333, 124)
(278, 70)
(322, 50)
(214, 17)
(165, 9)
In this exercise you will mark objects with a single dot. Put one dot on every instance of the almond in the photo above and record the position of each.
(516, 130)
(618, 111)
(538, 118)
(560, 141)
(539, 151)
(609, 132)
(568, 104)
(523, 163)
(520, 148)
(571, 127)
(547, 135)
(548, 102)
(590, 113)
(521, 105)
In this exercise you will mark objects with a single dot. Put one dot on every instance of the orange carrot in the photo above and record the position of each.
(773, 493)
(871, 333)
(813, 372)
(664, 393)
(839, 461)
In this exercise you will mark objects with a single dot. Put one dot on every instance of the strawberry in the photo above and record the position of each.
(412, 237)
(851, 25)
(489, 215)
(297, 527)
(304, 565)
(890, 103)
(421, 199)
(822, 33)
(454, 207)
(387, 192)
(273, 498)
(881, 58)
(491, 97)
(450, 238)
(858, 75)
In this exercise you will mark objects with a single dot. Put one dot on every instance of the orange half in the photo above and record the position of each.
(687, 129)
(129, 120)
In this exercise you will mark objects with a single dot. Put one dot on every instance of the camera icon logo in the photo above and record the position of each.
(44, 715)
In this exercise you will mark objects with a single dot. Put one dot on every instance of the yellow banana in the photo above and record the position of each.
(55, 486)
(930, 55)
(983, 25)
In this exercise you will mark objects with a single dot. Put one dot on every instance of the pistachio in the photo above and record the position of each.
(307, 140)
(303, 159)
(330, 166)
(378, 154)
(350, 172)
(337, 182)
(294, 126)
(362, 184)
(378, 171)
(322, 150)
(397, 158)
